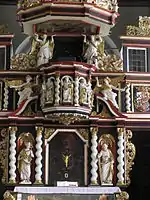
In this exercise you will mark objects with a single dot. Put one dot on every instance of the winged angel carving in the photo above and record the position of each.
(106, 87)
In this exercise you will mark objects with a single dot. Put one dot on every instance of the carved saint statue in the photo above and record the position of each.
(67, 89)
(50, 91)
(106, 88)
(24, 162)
(106, 164)
(91, 52)
(46, 50)
(84, 90)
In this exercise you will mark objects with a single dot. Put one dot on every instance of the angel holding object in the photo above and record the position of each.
(25, 89)
(106, 88)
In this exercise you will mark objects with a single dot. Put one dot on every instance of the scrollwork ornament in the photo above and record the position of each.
(48, 132)
(3, 152)
(130, 155)
(84, 133)
(122, 196)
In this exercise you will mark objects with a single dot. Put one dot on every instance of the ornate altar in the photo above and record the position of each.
(63, 126)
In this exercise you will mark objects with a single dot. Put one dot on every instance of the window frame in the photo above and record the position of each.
(146, 61)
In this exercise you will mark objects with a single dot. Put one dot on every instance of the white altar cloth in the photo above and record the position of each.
(67, 190)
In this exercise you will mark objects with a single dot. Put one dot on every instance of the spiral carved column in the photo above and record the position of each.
(76, 94)
(57, 90)
(6, 92)
(38, 161)
(94, 152)
(128, 98)
(120, 159)
(12, 156)
(89, 94)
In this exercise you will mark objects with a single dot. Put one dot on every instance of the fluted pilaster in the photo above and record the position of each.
(94, 152)
(12, 156)
(38, 161)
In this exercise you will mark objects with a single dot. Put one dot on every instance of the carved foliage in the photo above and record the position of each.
(3, 152)
(122, 196)
(130, 155)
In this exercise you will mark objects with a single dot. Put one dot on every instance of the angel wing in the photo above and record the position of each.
(116, 80)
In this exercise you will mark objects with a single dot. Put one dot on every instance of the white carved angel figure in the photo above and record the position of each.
(50, 91)
(84, 89)
(25, 90)
(24, 162)
(46, 49)
(67, 89)
(106, 88)
(106, 164)
(91, 52)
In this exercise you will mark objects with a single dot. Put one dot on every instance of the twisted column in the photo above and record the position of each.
(94, 153)
(89, 94)
(38, 161)
(6, 92)
(128, 98)
(76, 93)
(12, 156)
(57, 90)
(120, 157)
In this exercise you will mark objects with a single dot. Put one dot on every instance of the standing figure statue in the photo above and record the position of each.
(24, 162)
(91, 52)
(84, 89)
(106, 88)
(43, 94)
(50, 91)
(106, 165)
(67, 90)
(46, 50)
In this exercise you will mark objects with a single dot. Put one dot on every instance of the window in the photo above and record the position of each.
(136, 59)
(2, 57)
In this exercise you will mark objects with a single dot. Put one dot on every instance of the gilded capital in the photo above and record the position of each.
(121, 131)
(13, 129)
(94, 130)
(39, 130)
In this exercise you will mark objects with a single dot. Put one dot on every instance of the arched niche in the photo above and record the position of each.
(62, 143)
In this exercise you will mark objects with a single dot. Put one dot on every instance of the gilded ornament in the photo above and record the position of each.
(130, 155)
(28, 3)
(84, 133)
(66, 118)
(48, 132)
(39, 130)
(94, 130)
(8, 195)
(4, 152)
(122, 196)
(13, 129)
(143, 28)
(121, 131)
(4, 29)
